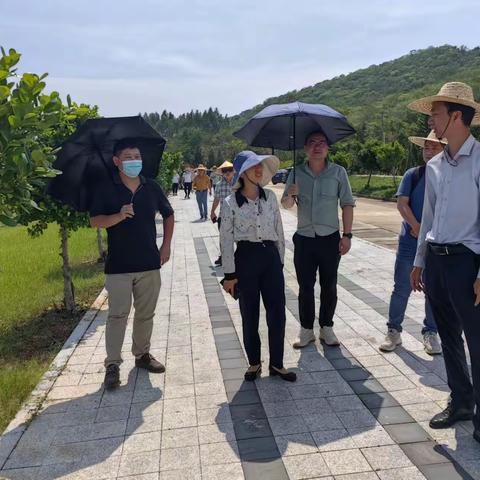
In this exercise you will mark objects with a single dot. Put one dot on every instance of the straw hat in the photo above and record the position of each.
(451, 92)
(248, 159)
(420, 141)
(225, 164)
(201, 167)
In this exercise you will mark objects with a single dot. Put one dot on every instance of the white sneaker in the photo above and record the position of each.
(328, 336)
(392, 340)
(431, 344)
(305, 338)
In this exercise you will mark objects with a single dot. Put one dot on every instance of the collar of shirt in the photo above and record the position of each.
(118, 180)
(241, 199)
(328, 165)
(465, 149)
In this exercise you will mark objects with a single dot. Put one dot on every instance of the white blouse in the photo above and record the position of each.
(254, 221)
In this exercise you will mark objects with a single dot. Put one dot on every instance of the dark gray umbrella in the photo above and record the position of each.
(86, 157)
(286, 126)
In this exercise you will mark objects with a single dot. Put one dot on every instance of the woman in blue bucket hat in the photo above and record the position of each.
(251, 219)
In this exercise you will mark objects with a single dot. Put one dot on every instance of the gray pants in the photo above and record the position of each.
(144, 287)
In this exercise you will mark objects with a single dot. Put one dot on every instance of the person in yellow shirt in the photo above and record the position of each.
(201, 185)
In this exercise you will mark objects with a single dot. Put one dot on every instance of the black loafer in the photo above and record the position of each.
(288, 377)
(450, 416)
(251, 376)
(112, 377)
(149, 363)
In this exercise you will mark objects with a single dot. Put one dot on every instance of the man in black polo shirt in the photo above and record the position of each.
(127, 209)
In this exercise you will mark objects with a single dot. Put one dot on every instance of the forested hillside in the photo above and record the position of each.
(374, 99)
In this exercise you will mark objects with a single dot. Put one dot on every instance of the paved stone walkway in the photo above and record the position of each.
(354, 414)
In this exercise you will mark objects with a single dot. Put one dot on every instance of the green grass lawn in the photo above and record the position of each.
(33, 325)
(382, 187)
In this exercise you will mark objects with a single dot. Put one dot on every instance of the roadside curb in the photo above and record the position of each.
(16, 428)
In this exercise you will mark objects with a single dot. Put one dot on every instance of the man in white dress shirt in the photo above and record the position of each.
(449, 246)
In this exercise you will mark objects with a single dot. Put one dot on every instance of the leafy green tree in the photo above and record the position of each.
(171, 163)
(391, 157)
(27, 115)
(367, 158)
(50, 210)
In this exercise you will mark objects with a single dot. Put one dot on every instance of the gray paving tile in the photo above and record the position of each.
(258, 449)
(272, 469)
(310, 465)
(377, 400)
(248, 397)
(353, 374)
(445, 471)
(386, 457)
(346, 461)
(139, 463)
(367, 386)
(251, 429)
(408, 473)
(425, 453)
(391, 415)
(407, 433)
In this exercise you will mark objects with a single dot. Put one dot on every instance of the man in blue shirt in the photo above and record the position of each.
(410, 205)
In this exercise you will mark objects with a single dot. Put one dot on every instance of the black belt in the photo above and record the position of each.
(449, 249)
(263, 243)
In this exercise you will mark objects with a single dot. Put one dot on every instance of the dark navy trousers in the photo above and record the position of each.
(449, 280)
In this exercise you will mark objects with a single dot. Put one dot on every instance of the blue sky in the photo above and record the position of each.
(134, 56)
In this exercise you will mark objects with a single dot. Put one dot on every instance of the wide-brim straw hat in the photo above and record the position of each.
(225, 164)
(201, 167)
(451, 92)
(248, 159)
(420, 141)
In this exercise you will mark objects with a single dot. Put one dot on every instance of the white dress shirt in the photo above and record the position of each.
(451, 210)
(253, 221)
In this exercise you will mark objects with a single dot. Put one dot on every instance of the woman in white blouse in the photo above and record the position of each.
(251, 219)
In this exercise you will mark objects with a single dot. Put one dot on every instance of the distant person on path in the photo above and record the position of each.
(410, 205)
(202, 185)
(449, 246)
(222, 191)
(127, 210)
(187, 181)
(175, 182)
(215, 177)
(319, 187)
(251, 219)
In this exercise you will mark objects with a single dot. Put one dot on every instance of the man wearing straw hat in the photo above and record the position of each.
(202, 185)
(221, 192)
(410, 205)
(449, 246)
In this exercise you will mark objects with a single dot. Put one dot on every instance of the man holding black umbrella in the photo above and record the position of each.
(127, 209)
(319, 186)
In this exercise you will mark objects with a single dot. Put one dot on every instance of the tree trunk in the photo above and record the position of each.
(368, 181)
(101, 250)
(68, 291)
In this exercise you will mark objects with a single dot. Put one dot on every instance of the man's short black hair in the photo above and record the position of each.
(123, 144)
(315, 132)
(467, 112)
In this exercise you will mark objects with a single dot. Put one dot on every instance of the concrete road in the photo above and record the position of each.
(374, 220)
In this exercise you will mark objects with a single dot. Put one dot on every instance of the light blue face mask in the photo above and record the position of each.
(132, 168)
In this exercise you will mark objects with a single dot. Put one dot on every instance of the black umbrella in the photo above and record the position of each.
(286, 126)
(86, 157)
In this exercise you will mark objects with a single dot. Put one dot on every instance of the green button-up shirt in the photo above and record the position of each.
(318, 198)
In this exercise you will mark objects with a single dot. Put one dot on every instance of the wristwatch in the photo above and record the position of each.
(348, 235)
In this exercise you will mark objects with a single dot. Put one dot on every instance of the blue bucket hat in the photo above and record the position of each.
(248, 159)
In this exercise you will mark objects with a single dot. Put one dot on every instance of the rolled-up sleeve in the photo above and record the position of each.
(227, 245)
(345, 190)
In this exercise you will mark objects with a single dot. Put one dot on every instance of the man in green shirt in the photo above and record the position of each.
(319, 188)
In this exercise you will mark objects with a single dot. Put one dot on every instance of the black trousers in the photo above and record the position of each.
(449, 280)
(187, 186)
(312, 255)
(260, 272)
(174, 188)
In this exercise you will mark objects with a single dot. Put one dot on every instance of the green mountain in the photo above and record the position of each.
(374, 99)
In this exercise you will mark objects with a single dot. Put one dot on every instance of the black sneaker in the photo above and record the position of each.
(450, 416)
(112, 377)
(218, 261)
(149, 363)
